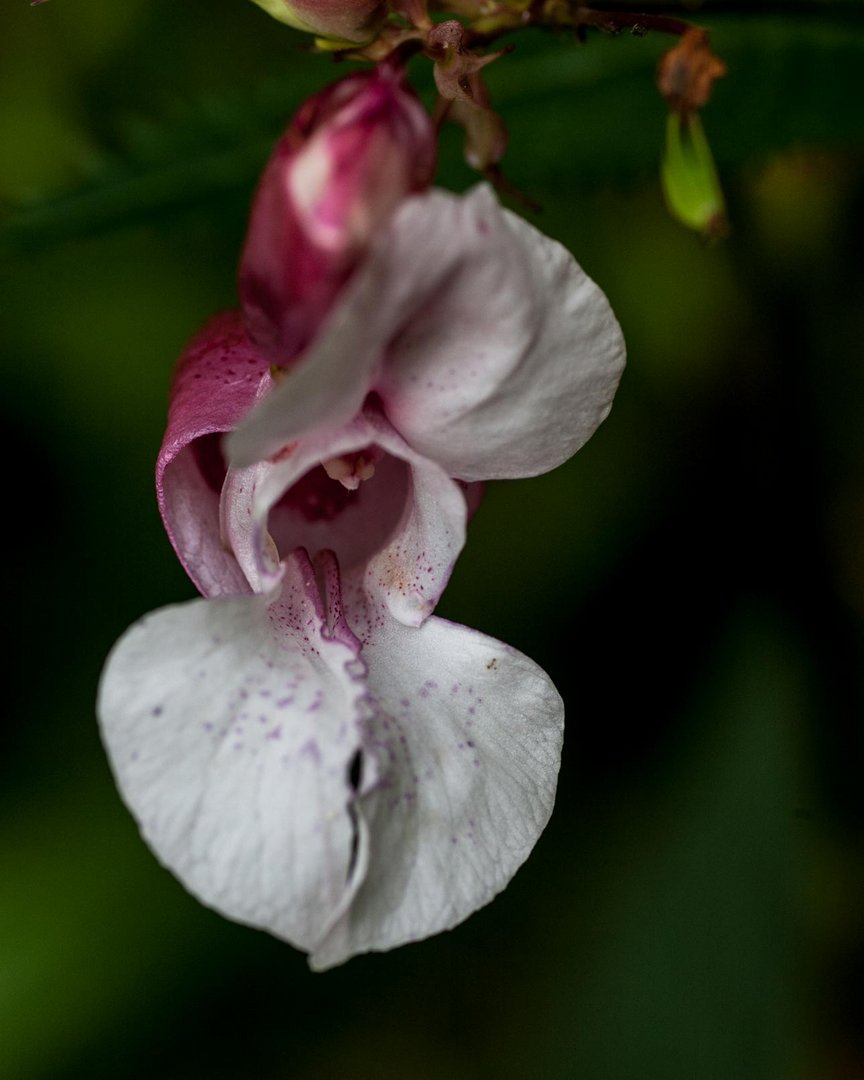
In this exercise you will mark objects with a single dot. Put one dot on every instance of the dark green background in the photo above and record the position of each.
(693, 580)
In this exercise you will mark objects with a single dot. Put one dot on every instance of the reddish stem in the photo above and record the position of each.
(616, 21)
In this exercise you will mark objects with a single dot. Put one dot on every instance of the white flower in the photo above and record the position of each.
(308, 749)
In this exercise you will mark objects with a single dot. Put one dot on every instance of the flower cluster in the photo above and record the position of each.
(307, 747)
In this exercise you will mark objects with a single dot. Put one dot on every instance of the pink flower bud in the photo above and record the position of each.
(354, 21)
(350, 156)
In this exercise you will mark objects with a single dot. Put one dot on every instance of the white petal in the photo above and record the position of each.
(514, 364)
(467, 735)
(401, 531)
(410, 572)
(493, 352)
(231, 729)
(413, 259)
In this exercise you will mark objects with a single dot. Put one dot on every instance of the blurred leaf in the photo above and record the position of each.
(197, 153)
(676, 952)
(87, 919)
(788, 83)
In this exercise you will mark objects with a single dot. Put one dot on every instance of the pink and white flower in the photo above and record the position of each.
(308, 748)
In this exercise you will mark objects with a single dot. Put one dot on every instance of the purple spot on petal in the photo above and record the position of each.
(311, 749)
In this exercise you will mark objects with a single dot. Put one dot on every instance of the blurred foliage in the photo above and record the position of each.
(788, 83)
(693, 579)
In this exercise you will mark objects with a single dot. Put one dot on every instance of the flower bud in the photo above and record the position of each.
(350, 156)
(349, 21)
(690, 183)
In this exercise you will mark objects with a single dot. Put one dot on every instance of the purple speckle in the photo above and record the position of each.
(312, 750)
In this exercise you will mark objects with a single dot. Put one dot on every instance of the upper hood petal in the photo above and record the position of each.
(407, 265)
(492, 351)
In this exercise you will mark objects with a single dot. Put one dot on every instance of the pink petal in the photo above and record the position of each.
(215, 384)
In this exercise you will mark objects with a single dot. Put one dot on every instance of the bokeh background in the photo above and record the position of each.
(693, 580)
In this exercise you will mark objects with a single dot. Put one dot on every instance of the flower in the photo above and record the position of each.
(357, 489)
(324, 768)
(308, 748)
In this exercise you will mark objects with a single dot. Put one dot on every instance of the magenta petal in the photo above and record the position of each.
(216, 382)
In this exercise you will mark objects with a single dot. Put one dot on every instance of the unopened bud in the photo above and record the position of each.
(350, 21)
(350, 156)
(690, 183)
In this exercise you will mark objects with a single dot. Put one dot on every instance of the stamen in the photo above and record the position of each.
(350, 470)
